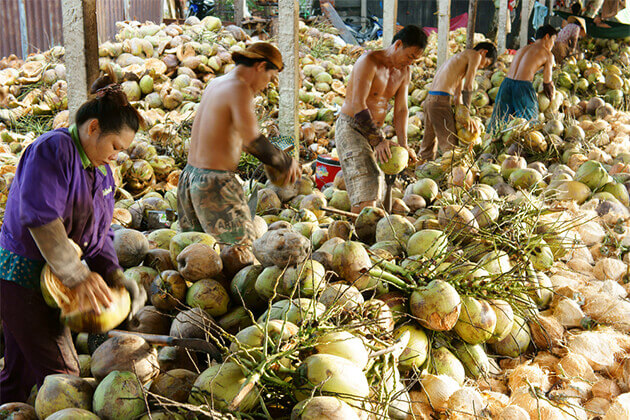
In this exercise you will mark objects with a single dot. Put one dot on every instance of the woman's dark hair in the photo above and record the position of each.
(110, 107)
(546, 30)
(491, 50)
(411, 36)
(576, 8)
(251, 62)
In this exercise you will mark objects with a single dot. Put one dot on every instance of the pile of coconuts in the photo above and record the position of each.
(496, 288)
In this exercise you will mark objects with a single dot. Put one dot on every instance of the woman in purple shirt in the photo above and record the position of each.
(63, 190)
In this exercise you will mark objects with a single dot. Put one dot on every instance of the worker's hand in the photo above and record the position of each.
(470, 125)
(294, 173)
(382, 151)
(549, 90)
(412, 154)
(92, 293)
(137, 293)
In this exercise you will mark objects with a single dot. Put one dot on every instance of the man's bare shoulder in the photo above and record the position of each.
(369, 59)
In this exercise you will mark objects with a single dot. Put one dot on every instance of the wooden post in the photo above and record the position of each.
(239, 12)
(390, 16)
(363, 12)
(472, 20)
(289, 79)
(444, 24)
(80, 38)
(526, 9)
(23, 28)
(502, 29)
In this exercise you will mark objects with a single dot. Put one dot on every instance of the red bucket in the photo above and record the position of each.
(326, 168)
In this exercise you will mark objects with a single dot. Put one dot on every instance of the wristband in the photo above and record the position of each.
(372, 133)
(268, 154)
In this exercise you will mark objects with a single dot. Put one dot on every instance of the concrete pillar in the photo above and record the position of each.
(80, 38)
(239, 11)
(472, 20)
(502, 29)
(444, 24)
(526, 9)
(288, 30)
(390, 15)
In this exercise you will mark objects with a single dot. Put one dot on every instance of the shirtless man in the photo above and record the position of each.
(377, 76)
(210, 199)
(453, 80)
(516, 96)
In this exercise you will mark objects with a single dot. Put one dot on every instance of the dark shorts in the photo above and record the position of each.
(37, 344)
(515, 99)
(439, 122)
(214, 202)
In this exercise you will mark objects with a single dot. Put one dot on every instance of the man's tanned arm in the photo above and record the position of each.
(548, 86)
(474, 60)
(362, 83)
(244, 119)
(401, 115)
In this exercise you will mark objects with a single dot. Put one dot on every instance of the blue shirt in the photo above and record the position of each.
(54, 179)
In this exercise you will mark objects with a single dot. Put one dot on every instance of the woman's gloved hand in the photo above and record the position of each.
(137, 293)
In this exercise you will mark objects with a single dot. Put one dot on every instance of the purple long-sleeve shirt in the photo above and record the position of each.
(54, 179)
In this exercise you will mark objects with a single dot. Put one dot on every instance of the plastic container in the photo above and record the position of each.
(326, 168)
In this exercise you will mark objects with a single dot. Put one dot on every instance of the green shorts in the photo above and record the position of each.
(214, 202)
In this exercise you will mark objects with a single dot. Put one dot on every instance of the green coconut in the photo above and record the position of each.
(397, 162)
(119, 396)
(516, 342)
(208, 295)
(330, 374)
(218, 385)
(476, 322)
(428, 243)
(243, 287)
(426, 188)
(61, 391)
(474, 359)
(592, 174)
(322, 407)
(436, 306)
(415, 353)
(131, 247)
(525, 178)
(443, 362)
(394, 228)
(343, 344)
(305, 279)
(365, 225)
(181, 240)
(619, 191)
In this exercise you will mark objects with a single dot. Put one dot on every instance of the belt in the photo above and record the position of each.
(439, 93)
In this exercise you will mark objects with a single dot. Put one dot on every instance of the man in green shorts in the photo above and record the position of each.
(210, 198)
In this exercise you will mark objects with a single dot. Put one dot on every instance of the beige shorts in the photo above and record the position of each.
(364, 180)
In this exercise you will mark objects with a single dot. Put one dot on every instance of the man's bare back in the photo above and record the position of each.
(385, 84)
(528, 60)
(450, 77)
(215, 142)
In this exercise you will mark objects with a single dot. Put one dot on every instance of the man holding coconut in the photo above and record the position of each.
(453, 80)
(210, 198)
(517, 97)
(377, 77)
